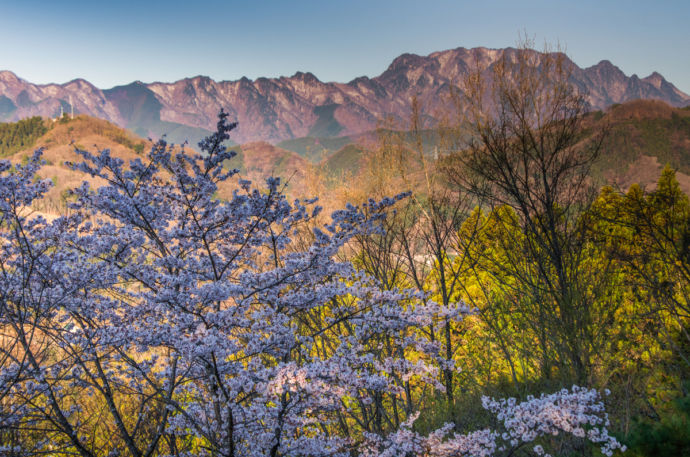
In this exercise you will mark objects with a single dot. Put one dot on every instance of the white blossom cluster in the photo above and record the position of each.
(578, 412)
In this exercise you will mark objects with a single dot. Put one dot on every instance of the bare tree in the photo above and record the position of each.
(528, 153)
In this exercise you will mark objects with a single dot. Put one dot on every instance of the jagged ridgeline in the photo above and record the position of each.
(15, 136)
(301, 105)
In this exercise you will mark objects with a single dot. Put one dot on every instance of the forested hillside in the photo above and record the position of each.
(15, 136)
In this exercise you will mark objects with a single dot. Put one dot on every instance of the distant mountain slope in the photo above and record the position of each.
(133, 107)
(259, 160)
(140, 109)
(256, 161)
(642, 137)
(315, 149)
(59, 142)
(278, 109)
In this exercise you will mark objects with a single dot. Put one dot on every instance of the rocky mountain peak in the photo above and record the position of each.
(8, 76)
(606, 64)
(308, 77)
(606, 69)
(655, 79)
(405, 62)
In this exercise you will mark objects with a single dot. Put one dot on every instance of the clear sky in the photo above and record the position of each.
(119, 41)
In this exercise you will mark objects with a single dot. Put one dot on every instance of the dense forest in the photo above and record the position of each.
(15, 136)
(493, 301)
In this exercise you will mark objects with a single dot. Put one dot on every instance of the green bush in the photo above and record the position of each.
(668, 436)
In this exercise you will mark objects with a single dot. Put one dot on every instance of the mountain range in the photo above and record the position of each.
(279, 109)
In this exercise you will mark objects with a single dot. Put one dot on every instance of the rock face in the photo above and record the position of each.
(301, 105)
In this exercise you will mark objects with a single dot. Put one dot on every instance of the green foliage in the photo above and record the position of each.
(669, 436)
(23, 134)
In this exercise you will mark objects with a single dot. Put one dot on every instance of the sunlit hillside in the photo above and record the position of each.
(642, 136)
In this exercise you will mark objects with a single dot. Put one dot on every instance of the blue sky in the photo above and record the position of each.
(116, 42)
